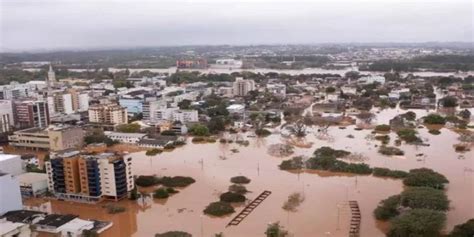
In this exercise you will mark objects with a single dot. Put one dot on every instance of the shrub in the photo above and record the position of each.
(128, 128)
(219, 209)
(262, 132)
(434, 119)
(176, 181)
(434, 131)
(161, 193)
(410, 116)
(198, 139)
(169, 146)
(425, 177)
(237, 188)
(384, 172)
(383, 138)
(408, 135)
(232, 197)
(417, 222)
(463, 230)
(171, 190)
(334, 165)
(114, 209)
(382, 128)
(296, 163)
(328, 151)
(168, 133)
(387, 208)
(390, 151)
(294, 200)
(240, 180)
(174, 234)
(153, 152)
(425, 197)
(146, 180)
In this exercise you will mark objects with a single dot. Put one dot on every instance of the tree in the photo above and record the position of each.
(417, 223)
(219, 209)
(465, 114)
(434, 119)
(424, 177)
(330, 89)
(129, 128)
(240, 180)
(449, 102)
(387, 208)
(463, 230)
(184, 104)
(298, 129)
(425, 197)
(276, 230)
(199, 130)
(216, 124)
(232, 197)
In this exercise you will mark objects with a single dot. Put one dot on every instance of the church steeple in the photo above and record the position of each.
(51, 75)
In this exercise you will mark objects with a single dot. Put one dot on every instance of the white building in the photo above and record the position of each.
(11, 164)
(372, 79)
(10, 197)
(6, 116)
(83, 100)
(242, 87)
(14, 229)
(278, 90)
(228, 63)
(185, 116)
(236, 108)
(107, 167)
(33, 184)
(125, 137)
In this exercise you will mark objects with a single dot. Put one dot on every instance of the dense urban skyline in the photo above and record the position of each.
(35, 25)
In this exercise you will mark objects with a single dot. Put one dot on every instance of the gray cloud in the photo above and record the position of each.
(54, 24)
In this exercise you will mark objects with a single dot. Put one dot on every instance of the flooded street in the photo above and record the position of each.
(324, 211)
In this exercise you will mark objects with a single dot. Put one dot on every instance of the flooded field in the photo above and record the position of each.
(324, 211)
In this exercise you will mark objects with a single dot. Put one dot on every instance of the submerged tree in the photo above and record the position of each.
(276, 230)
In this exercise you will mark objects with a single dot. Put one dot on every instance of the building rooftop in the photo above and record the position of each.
(22, 216)
(8, 157)
(31, 177)
(8, 226)
(56, 220)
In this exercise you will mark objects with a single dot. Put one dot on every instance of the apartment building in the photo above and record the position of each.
(108, 114)
(90, 178)
(30, 113)
(242, 87)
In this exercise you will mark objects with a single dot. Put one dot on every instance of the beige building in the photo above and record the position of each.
(56, 138)
(242, 87)
(108, 114)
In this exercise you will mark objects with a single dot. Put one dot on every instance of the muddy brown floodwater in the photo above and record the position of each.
(324, 211)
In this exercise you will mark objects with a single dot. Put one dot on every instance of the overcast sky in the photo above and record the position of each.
(59, 24)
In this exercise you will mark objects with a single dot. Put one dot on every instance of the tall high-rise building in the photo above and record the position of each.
(90, 178)
(6, 116)
(108, 114)
(60, 103)
(30, 113)
(242, 87)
